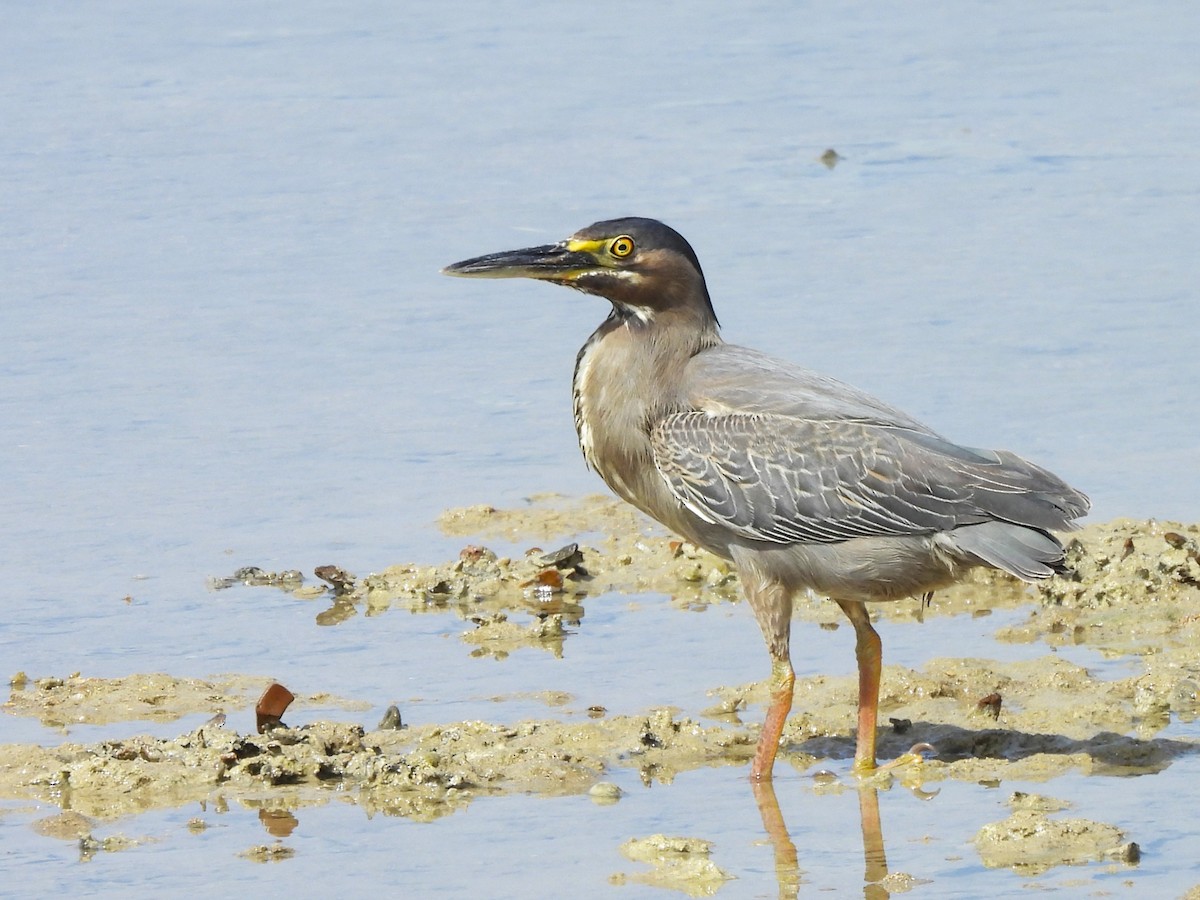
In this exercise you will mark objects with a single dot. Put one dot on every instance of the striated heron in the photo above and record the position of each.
(801, 481)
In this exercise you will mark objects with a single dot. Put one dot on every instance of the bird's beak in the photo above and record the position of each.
(551, 262)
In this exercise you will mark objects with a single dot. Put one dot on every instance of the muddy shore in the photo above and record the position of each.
(1136, 593)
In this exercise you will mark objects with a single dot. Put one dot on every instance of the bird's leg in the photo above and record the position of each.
(772, 605)
(869, 650)
(783, 680)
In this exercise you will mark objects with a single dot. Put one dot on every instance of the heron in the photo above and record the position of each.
(800, 481)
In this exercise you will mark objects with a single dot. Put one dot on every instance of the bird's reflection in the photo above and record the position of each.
(875, 867)
(787, 863)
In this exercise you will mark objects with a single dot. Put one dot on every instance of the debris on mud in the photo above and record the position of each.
(422, 773)
(630, 554)
(287, 580)
(268, 712)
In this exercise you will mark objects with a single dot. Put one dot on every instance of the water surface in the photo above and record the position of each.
(226, 341)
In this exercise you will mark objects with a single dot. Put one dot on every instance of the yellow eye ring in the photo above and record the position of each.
(621, 247)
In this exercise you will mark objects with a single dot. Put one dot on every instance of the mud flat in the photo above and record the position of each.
(1136, 593)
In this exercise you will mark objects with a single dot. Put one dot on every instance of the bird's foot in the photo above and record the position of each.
(867, 768)
(915, 755)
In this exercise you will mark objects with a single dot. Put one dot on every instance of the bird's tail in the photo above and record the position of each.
(1029, 553)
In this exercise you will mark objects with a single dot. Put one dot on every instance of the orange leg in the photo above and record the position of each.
(869, 650)
(783, 680)
(772, 605)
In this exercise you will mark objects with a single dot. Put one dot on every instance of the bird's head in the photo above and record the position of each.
(642, 266)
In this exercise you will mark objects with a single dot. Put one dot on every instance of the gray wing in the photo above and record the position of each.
(733, 379)
(814, 461)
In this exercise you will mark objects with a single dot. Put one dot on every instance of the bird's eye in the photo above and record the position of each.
(621, 247)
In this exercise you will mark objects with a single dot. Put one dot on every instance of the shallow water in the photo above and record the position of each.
(226, 343)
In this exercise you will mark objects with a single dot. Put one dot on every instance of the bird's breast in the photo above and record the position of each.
(629, 376)
(610, 409)
(617, 394)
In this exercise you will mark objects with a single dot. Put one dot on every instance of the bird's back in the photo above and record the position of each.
(748, 381)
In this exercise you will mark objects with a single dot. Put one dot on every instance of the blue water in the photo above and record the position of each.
(226, 342)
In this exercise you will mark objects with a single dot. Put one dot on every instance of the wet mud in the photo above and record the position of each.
(524, 581)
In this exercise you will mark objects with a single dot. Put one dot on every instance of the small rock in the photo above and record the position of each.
(568, 557)
(605, 792)
(341, 580)
(830, 158)
(391, 719)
